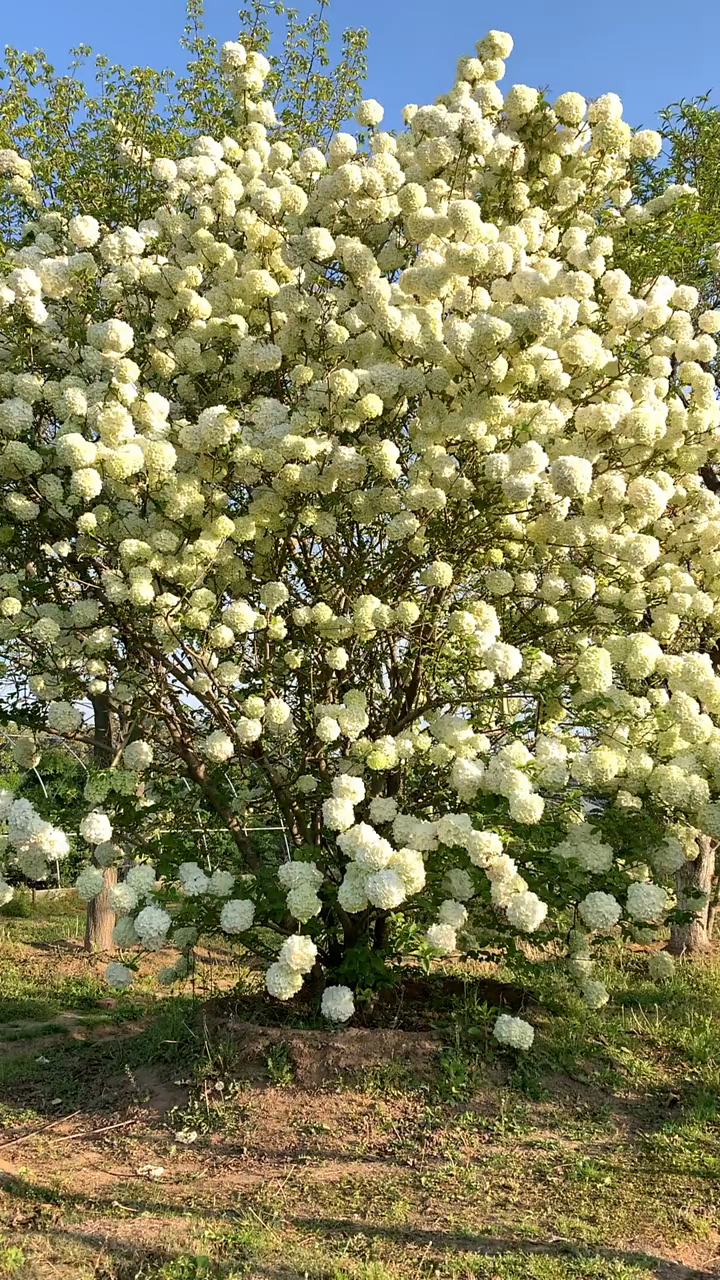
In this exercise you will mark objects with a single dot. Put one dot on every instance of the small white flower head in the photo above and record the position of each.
(233, 56)
(193, 880)
(369, 113)
(482, 846)
(118, 975)
(385, 889)
(595, 994)
(142, 878)
(647, 902)
(221, 884)
(138, 755)
(63, 717)
(237, 915)
(151, 926)
(526, 912)
(661, 966)
(122, 898)
(96, 828)
(338, 813)
(217, 747)
(437, 574)
(303, 902)
(337, 1004)
(513, 1032)
(327, 729)
(282, 981)
(600, 911)
(459, 884)
(124, 934)
(383, 810)
(84, 231)
(453, 914)
(441, 938)
(348, 787)
(89, 883)
(299, 953)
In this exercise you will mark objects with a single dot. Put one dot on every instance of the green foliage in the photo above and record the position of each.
(677, 243)
(279, 1065)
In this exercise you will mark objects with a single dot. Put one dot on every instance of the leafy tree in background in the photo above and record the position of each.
(684, 242)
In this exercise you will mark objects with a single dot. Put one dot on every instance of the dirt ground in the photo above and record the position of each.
(146, 1137)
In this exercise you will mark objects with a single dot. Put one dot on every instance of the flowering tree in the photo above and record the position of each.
(361, 479)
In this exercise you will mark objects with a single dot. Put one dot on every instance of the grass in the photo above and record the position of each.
(173, 1155)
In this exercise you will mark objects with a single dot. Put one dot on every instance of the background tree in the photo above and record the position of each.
(684, 242)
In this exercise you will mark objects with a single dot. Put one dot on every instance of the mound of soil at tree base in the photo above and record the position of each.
(414, 1003)
(318, 1056)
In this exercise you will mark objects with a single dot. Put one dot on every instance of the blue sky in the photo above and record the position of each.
(649, 51)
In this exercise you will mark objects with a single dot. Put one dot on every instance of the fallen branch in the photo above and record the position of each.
(36, 1132)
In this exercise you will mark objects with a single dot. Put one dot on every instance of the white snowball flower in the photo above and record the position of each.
(348, 787)
(595, 994)
(453, 914)
(385, 889)
(571, 476)
(151, 926)
(383, 810)
(338, 813)
(327, 729)
(514, 1032)
(122, 898)
(282, 981)
(89, 883)
(124, 934)
(299, 953)
(600, 910)
(84, 231)
(193, 880)
(661, 966)
(96, 828)
(442, 939)
(138, 755)
(218, 747)
(118, 975)
(337, 1004)
(237, 915)
(525, 911)
(303, 903)
(482, 846)
(142, 878)
(221, 883)
(63, 717)
(647, 902)
(369, 112)
(459, 884)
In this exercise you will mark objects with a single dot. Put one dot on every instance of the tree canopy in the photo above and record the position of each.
(360, 478)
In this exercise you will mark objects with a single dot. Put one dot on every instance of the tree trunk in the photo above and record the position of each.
(692, 938)
(100, 917)
(713, 908)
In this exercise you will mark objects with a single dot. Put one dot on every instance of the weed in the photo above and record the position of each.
(279, 1065)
